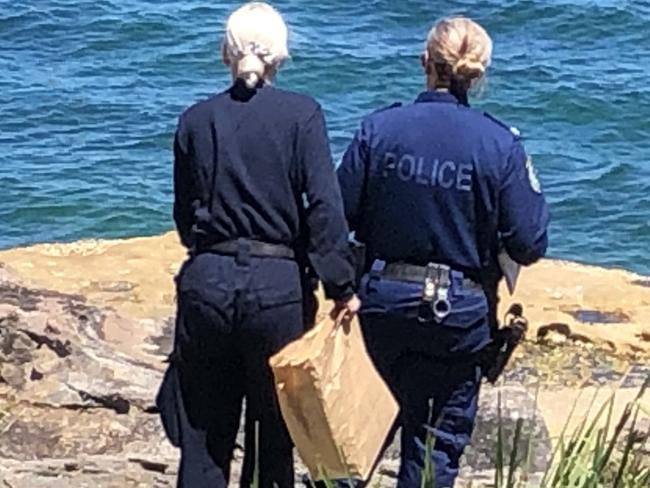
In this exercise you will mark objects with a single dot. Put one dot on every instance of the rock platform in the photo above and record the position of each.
(85, 329)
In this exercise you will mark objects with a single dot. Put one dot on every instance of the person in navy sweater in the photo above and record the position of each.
(255, 188)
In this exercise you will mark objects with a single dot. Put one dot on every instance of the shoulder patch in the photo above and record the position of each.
(532, 176)
(513, 130)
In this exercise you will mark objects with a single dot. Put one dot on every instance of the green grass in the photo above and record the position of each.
(602, 452)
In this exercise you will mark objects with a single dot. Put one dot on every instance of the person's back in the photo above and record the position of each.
(255, 197)
(434, 190)
(244, 154)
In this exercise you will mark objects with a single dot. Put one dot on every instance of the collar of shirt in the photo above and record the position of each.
(436, 96)
(239, 90)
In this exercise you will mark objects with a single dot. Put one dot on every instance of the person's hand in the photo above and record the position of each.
(349, 308)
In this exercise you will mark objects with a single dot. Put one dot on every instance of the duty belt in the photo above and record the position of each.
(437, 282)
(255, 248)
(419, 274)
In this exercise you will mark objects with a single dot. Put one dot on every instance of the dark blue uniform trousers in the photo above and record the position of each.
(234, 313)
(437, 395)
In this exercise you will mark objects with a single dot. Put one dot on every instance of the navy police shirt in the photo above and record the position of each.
(256, 164)
(437, 181)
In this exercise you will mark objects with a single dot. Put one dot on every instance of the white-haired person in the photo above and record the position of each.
(431, 188)
(252, 171)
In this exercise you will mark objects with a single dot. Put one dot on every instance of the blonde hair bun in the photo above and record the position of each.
(256, 40)
(462, 45)
(469, 69)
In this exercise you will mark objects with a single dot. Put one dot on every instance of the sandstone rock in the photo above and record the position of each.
(58, 340)
(85, 328)
(104, 472)
(81, 396)
(69, 393)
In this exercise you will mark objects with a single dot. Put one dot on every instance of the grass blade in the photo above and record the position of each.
(579, 442)
(529, 444)
(629, 445)
(513, 454)
(428, 479)
(498, 473)
(256, 469)
(560, 446)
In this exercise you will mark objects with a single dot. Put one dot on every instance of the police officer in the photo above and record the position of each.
(434, 189)
(246, 160)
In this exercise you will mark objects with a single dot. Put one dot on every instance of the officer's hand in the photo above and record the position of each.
(347, 308)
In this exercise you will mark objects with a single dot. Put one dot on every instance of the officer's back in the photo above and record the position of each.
(436, 172)
(434, 189)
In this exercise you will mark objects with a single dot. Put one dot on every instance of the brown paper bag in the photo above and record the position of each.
(335, 404)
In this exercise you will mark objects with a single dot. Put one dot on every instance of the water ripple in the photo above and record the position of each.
(90, 92)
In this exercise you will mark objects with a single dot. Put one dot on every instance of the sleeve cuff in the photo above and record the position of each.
(339, 294)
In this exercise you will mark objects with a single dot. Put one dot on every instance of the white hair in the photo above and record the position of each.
(255, 42)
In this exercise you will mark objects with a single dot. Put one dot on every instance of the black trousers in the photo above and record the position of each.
(437, 397)
(234, 313)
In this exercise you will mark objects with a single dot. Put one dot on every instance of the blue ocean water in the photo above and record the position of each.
(90, 92)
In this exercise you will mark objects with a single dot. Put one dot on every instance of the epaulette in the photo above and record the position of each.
(513, 130)
(394, 105)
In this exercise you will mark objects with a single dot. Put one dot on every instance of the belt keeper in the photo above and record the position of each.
(442, 305)
(244, 252)
(377, 269)
(430, 284)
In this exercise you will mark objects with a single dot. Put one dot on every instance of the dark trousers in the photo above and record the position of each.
(437, 396)
(233, 315)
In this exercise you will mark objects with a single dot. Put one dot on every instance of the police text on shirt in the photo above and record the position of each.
(428, 172)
